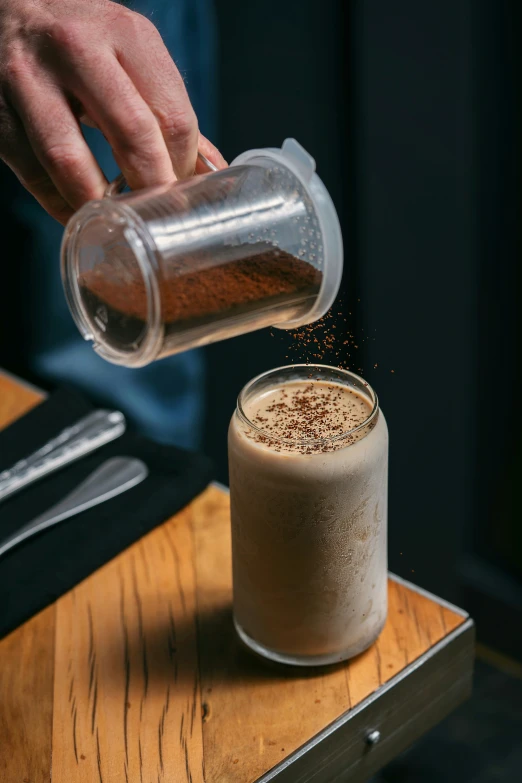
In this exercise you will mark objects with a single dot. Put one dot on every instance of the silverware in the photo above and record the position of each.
(89, 433)
(113, 477)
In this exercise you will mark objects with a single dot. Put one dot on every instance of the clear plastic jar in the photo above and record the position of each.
(158, 271)
(309, 515)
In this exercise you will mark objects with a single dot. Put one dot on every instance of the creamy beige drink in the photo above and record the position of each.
(308, 454)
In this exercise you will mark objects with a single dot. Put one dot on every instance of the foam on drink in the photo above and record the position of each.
(308, 478)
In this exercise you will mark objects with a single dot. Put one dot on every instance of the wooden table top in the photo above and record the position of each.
(136, 674)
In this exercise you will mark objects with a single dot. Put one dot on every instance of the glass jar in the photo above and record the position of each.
(309, 515)
(154, 272)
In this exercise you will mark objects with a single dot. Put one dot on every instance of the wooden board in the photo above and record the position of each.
(26, 661)
(136, 674)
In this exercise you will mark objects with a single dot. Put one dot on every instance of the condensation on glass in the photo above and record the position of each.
(309, 524)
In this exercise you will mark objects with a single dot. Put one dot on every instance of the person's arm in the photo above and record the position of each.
(94, 60)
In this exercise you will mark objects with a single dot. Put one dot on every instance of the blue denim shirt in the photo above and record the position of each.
(165, 399)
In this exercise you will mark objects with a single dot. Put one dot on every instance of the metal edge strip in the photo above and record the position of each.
(347, 716)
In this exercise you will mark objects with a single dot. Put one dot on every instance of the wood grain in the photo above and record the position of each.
(15, 400)
(126, 696)
(26, 660)
(136, 675)
(26, 700)
(256, 714)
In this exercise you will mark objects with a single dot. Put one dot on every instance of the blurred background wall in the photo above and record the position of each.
(412, 111)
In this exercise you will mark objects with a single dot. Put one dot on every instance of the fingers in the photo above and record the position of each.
(212, 153)
(112, 103)
(130, 90)
(151, 68)
(17, 153)
(56, 139)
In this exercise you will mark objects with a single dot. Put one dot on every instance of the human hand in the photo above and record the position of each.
(62, 61)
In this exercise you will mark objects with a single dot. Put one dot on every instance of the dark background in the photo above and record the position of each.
(412, 111)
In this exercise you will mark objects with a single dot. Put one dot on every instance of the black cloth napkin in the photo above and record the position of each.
(39, 570)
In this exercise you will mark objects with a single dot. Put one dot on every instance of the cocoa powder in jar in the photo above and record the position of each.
(195, 294)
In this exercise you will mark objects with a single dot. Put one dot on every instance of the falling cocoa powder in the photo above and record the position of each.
(329, 340)
(197, 294)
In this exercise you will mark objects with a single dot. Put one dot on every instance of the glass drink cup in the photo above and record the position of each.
(309, 527)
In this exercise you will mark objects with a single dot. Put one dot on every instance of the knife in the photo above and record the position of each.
(88, 434)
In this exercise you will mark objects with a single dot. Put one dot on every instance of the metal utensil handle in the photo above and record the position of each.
(65, 435)
(120, 183)
(115, 476)
(89, 433)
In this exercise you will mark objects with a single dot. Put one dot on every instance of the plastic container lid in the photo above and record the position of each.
(302, 165)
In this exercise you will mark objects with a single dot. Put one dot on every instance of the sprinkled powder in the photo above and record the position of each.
(315, 411)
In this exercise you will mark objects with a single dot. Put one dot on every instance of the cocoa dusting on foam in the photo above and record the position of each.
(317, 412)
